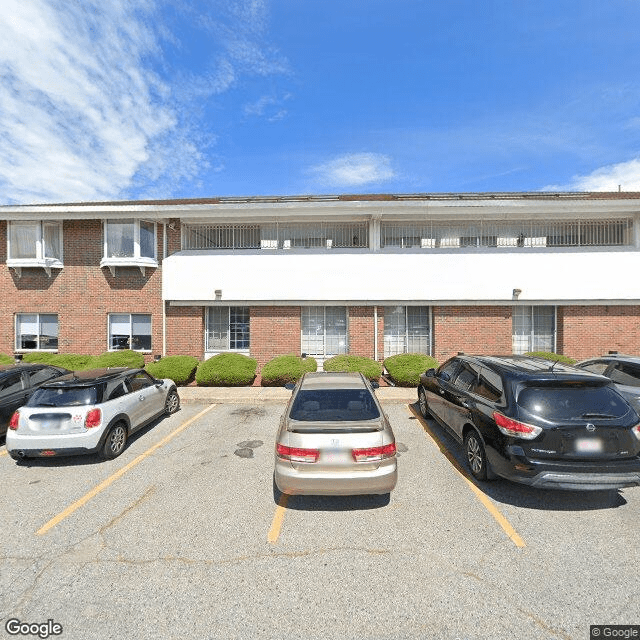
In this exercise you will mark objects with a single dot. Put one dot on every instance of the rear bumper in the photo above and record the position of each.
(553, 474)
(69, 444)
(339, 483)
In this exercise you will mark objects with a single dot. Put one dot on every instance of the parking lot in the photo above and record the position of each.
(183, 537)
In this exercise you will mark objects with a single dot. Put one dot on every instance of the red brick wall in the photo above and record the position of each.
(82, 294)
(585, 331)
(361, 331)
(474, 330)
(274, 331)
(185, 331)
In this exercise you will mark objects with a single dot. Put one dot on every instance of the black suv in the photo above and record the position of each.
(17, 384)
(533, 421)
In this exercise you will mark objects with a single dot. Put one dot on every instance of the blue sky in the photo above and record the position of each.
(150, 99)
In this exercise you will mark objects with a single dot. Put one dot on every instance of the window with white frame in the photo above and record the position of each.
(324, 331)
(227, 329)
(407, 330)
(132, 239)
(35, 241)
(534, 328)
(130, 331)
(36, 331)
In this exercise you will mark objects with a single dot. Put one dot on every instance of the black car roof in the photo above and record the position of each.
(530, 367)
(89, 377)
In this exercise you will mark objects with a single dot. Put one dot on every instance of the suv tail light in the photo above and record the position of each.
(296, 454)
(516, 429)
(636, 431)
(13, 423)
(374, 453)
(93, 419)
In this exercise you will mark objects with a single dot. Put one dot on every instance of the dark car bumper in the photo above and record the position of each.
(574, 475)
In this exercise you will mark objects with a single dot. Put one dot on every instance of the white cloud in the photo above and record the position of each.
(624, 174)
(354, 170)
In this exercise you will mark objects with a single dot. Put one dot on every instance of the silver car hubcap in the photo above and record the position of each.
(117, 439)
(473, 455)
(172, 402)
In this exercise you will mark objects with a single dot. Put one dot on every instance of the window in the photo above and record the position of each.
(42, 375)
(324, 331)
(626, 374)
(129, 243)
(596, 367)
(11, 384)
(35, 244)
(534, 329)
(466, 378)
(141, 380)
(406, 330)
(227, 329)
(130, 331)
(448, 369)
(36, 331)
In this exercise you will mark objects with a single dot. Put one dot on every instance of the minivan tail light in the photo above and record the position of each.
(93, 419)
(636, 431)
(296, 454)
(13, 423)
(514, 428)
(374, 453)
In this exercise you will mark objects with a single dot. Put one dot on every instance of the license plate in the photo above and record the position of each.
(588, 445)
(51, 424)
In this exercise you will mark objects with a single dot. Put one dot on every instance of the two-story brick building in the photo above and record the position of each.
(372, 275)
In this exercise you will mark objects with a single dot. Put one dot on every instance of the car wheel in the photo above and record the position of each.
(172, 403)
(422, 402)
(115, 442)
(476, 456)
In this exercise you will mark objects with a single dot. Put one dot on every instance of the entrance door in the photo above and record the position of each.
(324, 331)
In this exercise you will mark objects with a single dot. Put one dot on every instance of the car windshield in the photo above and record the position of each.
(573, 402)
(63, 397)
(340, 405)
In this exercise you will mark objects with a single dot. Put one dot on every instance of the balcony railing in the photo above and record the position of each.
(569, 233)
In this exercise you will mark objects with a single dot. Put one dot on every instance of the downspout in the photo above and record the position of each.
(375, 332)
(164, 304)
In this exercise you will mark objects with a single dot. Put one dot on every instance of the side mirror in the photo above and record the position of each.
(375, 385)
(290, 385)
(430, 373)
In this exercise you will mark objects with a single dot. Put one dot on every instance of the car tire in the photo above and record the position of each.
(422, 403)
(172, 403)
(475, 454)
(115, 442)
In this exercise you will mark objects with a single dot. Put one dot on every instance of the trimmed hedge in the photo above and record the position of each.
(360, 364)
(180, 369)
(226, 370)
(80, 362)
(283, 369)
(5, 359)
(547, 355)
(405, 368)
(124, 358)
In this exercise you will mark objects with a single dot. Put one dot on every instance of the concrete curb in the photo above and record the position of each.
(251, 395)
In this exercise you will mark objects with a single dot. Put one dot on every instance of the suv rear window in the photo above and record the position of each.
(565, 402)
(65, 397)
(339, 405)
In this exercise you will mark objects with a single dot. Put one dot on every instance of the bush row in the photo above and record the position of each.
(234, 369)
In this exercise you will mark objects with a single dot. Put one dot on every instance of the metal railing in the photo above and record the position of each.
(324, 235)
(552, 233)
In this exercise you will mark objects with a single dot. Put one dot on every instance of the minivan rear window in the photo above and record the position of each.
(566, 402)
(331, 405)
(64, 397)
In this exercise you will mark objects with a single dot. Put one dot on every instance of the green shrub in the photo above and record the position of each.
(366, 366)
(39, 356)
(405, 368)
(226, 370)
(124, 358)
(180, 369)
(71, 361)
(283, 369)
(547, 355)
(5, 359)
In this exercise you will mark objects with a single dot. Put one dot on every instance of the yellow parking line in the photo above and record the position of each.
(490, 507)
(112, 478)
(278, 517)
